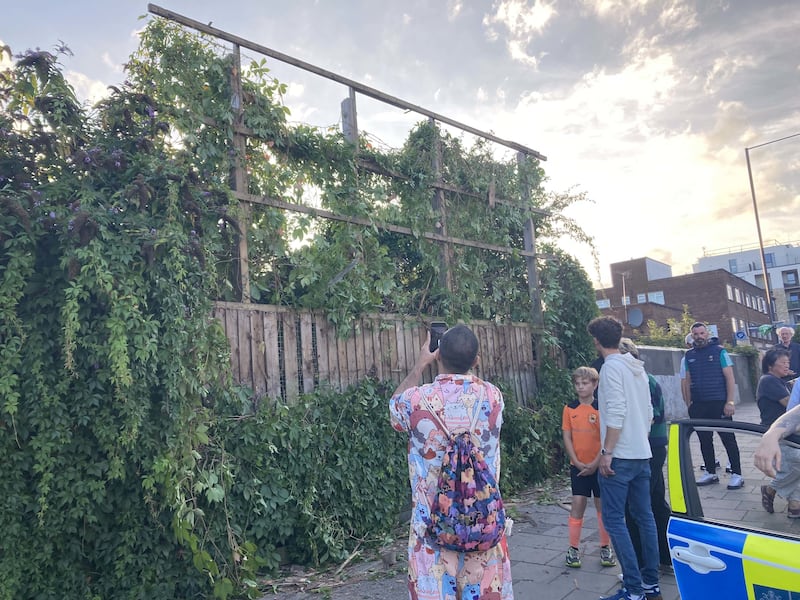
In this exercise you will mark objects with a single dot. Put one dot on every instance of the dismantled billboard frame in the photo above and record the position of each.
(350, 129)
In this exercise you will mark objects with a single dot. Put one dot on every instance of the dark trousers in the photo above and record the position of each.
(658, 503)
(714, 410)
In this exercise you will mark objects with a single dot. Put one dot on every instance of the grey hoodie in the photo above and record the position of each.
(624, 402)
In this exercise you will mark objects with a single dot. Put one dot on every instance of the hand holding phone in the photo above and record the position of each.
(437, 331)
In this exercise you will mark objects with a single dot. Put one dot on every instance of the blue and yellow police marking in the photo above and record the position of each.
(676, 497)
(744, 565)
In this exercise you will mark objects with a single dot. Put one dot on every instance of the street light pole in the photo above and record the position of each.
(767, 290)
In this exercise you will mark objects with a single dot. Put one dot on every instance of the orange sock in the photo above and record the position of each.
(604, 539)
(575, 526)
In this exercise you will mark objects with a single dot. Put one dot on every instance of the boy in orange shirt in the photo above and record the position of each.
(580, 424)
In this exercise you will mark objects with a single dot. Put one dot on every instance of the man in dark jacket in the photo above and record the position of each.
(708, 389)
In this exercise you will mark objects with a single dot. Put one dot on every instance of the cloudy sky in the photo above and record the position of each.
(646, 106)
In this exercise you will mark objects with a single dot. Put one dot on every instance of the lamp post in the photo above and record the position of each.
(767, 290)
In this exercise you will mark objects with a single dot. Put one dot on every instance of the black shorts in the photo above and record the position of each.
(587, 485)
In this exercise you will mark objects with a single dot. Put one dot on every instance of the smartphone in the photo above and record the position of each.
(437, 331)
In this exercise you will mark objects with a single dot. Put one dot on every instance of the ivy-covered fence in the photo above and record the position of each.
(133, 467)
(283, 353)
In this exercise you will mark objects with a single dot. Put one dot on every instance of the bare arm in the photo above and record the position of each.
(424, 358)
(612, 437)
(730, 387)
(768, 453)
(566, 434)
(686, 389)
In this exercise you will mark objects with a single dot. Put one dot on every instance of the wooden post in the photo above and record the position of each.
(440, 210)
(238, 177)
(350, 118)
(529, 241)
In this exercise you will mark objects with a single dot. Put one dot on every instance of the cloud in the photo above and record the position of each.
(521, 22)
(454, 8)
(87, 89)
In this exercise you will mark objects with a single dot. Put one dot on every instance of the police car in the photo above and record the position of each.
(722, 542)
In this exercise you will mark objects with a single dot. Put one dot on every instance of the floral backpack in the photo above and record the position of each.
(467, 514)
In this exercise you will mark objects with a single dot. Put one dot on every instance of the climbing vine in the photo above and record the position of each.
(133, 467)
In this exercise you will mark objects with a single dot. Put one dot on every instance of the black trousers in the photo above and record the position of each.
(658, 503)
(714, 410)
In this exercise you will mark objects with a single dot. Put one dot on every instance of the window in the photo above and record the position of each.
(730, 292)
(741, 325)
(790, 277)
(655, 297)
(748, 300)
(733, 324)
(793, 301)
(732, 266)
(760, 280)
(762, 305)
(641, 298)
(769, 258)
(604, 303)
(738, 295)
(626, 300)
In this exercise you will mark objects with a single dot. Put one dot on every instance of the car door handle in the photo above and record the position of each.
(698, 558)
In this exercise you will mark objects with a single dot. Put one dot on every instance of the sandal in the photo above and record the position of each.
(768, 502)
(793, 513)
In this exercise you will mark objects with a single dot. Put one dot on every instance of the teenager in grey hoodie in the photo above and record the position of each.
(625, 417)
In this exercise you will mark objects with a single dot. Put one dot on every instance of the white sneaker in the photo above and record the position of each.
(735, 482)
(707, 479)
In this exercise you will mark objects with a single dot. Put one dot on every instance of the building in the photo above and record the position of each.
(644, 289)
(782, 262)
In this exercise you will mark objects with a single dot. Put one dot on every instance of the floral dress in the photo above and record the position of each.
(435, 573)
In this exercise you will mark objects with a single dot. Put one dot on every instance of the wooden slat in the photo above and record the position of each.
(307, 351)
(377, 349)
(291, 367)
(323, 348)
(400, 351)
(341, 345)
(258, 353)
(245, 347)
(232, 331)
(391, 367)
(272, 364)
(351, 360)
(370, 370)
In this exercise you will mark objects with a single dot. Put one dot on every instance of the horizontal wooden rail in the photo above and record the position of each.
(359, 87)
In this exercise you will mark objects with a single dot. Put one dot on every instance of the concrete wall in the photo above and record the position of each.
(665, 363)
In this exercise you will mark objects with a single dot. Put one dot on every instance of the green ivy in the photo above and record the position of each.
(132, 466)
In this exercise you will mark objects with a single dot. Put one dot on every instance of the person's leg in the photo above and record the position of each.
(658, 502)
(700, 410)
(642, 514)
(614, 491)
(732, 448)
(580, 491)
(633, 531)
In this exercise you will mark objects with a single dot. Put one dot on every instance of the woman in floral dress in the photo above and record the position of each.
(435, 573)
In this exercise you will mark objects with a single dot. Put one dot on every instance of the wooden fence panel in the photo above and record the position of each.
(324, 354)
(307, 351)
(290, 361)
(271, 324)
(258, 353)
(283, 353)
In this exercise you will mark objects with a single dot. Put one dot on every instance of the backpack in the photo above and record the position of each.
(467, 514)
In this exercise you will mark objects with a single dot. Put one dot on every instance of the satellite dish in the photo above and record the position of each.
(635, 317)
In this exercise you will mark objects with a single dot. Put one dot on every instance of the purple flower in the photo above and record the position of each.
(52, 215)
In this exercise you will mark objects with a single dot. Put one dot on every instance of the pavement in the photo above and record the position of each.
(540, 537)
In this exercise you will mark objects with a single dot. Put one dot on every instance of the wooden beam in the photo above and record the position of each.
(358, 87)
(326, 214)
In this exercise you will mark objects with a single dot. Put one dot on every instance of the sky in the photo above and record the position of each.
(644, 106)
